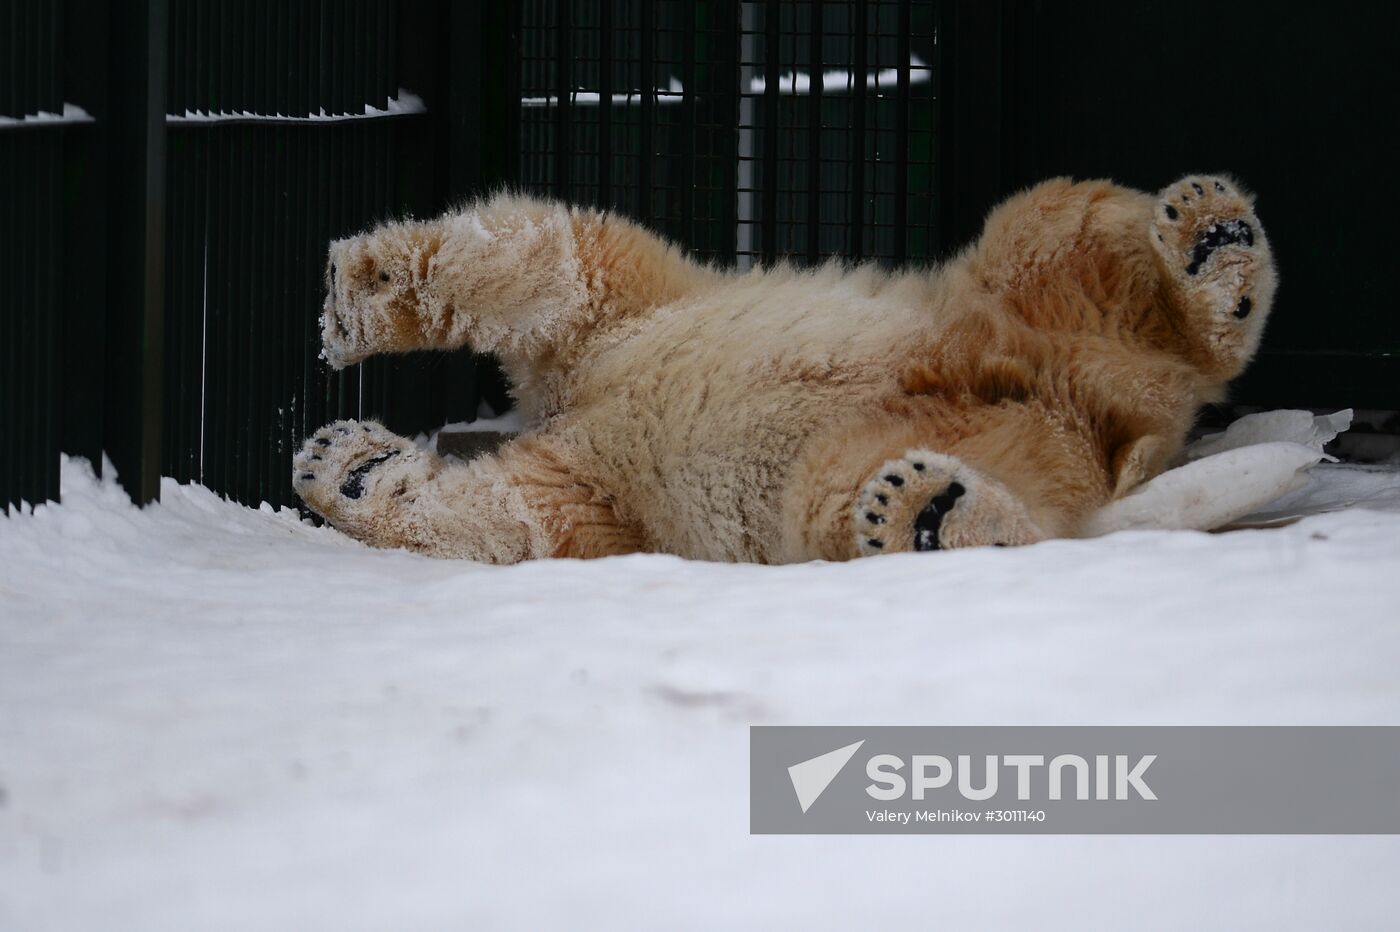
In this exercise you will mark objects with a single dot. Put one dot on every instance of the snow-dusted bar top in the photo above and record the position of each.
(71, 114)
(405, 104)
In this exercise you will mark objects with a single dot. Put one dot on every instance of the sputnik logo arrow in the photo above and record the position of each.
(811, 777)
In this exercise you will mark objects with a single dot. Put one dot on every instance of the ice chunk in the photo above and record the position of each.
(1211, 491)
(1302, 427)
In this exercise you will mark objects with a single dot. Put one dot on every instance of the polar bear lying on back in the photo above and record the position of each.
(785, 415)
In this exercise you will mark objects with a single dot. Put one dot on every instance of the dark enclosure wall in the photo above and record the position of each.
(176, 169)
(172, 170)
(1297, 102)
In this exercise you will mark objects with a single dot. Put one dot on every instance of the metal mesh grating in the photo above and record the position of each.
(31, 238)
(250, 206)
(748, 131)
(604, 82)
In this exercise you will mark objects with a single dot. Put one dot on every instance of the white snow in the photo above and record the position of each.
(1284, 426)
(404, 104)
(798, 82)
(1226, 477)
(213, 717)
(72, 113)
(791, 82)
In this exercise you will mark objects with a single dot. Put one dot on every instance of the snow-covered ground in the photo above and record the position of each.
(213, 717)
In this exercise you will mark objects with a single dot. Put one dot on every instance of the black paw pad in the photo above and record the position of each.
(354, 484)
(1225, 233)
(323, 441)
(930, 520)
(894, 480)
(1172, 212)
(1245, 306)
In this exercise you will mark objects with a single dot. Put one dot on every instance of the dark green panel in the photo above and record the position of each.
(32, 228)
(1296, 104)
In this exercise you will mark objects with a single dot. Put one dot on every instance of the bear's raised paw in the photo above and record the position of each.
(1213, 246)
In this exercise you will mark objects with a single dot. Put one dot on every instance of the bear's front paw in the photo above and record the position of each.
(931, 501)
(349, 468)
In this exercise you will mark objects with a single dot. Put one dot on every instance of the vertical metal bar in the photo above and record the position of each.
(725, 112)
(175, 211)
(687, 154)
(320, 384)
(258, 233)
(814, 137)
(860, 67)
(24, 54)
(53, 307)
(190, 277)
(605, 92)
(23, 361)
(236, 398)
(137, 306)
(175, 304)
(387, 36)
(27, 299)
(563, 104)
(648, 114)
(84, 301)
(901, 139)
(772, 52)
(175, 60)
(28, 209)
(220, 415)
(243, 310)
(12, 373)
(509, 55)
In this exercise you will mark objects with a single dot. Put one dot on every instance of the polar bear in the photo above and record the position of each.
(784, 415)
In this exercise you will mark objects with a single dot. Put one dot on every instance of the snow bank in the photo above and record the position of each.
(215, 717)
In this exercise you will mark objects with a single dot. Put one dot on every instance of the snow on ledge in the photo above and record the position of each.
(792, 82)
(72, 113)
(405, 104)
(797, 82)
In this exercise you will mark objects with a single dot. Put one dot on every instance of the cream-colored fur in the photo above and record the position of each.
(786, 415)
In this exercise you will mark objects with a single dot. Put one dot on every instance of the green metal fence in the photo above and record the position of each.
(31, 240)
(171, 266)
(172, 170)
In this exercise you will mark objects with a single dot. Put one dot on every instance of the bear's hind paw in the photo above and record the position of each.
(931, 501)
(345, 467)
